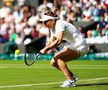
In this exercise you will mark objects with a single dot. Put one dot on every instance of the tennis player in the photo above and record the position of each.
(74, 48)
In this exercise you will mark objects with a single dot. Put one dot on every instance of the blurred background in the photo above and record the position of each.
(19, 24)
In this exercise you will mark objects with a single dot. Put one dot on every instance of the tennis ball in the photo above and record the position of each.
(17, 51)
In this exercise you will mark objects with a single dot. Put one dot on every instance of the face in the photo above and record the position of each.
(50, 24)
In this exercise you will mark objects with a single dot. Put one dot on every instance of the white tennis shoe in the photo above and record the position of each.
(68, 83)
(75, 78)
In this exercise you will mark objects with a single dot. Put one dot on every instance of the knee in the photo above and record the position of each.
(53, 63)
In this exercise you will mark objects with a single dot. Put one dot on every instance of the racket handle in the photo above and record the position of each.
(38, 54)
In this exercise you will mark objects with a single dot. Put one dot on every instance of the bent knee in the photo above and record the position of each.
(53, 63)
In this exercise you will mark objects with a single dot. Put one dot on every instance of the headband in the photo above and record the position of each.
(46, 18)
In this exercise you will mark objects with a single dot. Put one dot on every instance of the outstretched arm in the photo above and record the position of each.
(51, 39)
(57, 41)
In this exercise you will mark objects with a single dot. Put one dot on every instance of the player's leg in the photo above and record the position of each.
(54, 64)
(63, 56)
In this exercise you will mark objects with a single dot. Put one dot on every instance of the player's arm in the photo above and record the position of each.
(55, 43)
(51, 39)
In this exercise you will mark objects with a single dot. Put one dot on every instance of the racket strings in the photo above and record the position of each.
(31, 56)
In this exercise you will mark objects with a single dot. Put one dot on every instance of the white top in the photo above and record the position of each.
(71, 33)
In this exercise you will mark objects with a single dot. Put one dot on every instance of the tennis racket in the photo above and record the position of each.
(31, 55)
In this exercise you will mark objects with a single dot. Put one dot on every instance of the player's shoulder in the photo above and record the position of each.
(61, 22)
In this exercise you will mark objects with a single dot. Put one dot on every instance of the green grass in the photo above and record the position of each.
(41, 76)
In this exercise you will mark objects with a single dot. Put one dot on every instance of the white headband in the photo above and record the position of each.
(46, 17)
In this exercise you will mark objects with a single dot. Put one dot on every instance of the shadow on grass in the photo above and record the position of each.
(94, 84)
(80, 85)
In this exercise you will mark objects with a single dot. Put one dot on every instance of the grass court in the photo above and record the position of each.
(15, 75)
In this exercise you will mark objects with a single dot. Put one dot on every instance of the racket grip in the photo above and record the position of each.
(38, 54)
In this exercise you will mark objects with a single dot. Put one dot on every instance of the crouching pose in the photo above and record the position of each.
(76, 45)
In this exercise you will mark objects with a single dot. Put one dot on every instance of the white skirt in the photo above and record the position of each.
(82, 47)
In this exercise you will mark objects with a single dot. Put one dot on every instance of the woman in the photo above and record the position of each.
(76, 45)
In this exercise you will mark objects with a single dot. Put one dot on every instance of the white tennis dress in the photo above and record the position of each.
(72, 35)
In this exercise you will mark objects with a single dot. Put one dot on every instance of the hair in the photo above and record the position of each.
(52, 12)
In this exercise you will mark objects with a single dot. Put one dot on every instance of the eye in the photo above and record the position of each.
(45, 22)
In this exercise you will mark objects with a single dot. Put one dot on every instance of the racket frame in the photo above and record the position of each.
(37, 54)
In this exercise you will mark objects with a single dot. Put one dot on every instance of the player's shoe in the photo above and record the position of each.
(75, 78)
(68, 83)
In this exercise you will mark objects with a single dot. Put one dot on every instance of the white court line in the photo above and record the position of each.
(48, 66)
(51, 83)
(4, 67)
(26, 85)
(75, 67)
(93, 79)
